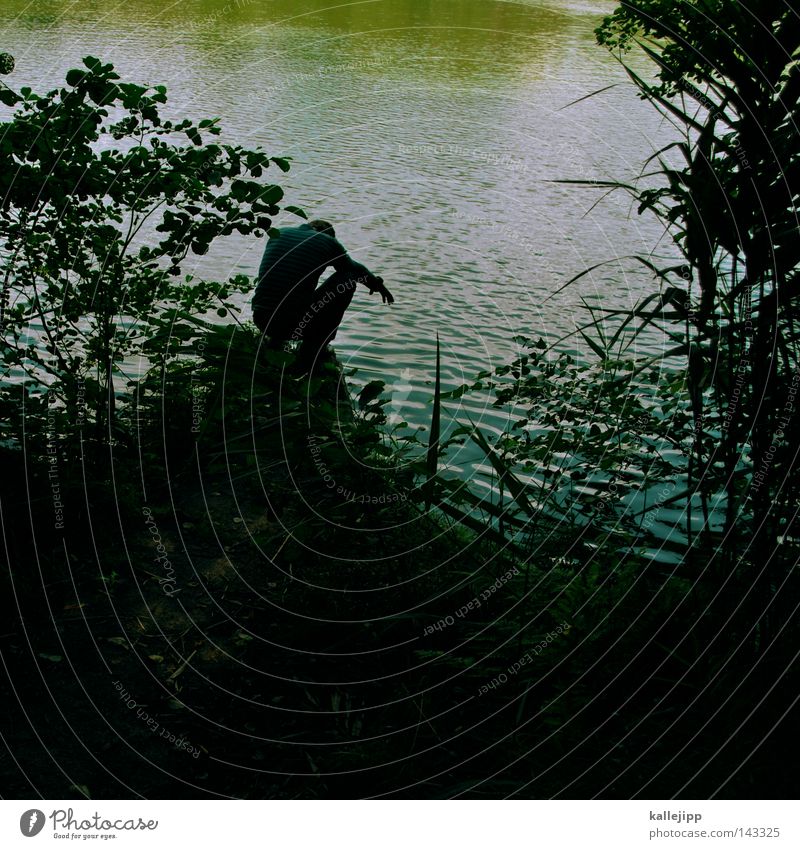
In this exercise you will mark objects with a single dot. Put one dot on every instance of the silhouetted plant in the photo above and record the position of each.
(598, 450)
(727, 79)
(101, 203)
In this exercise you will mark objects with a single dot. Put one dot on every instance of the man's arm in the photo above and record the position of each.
(344, 262)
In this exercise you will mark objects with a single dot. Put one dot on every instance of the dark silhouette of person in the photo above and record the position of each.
(288, 305)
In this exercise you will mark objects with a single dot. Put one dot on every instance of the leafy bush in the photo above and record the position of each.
(102, 200)
(727, 79)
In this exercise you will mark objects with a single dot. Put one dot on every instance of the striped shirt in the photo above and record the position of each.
(291, 267)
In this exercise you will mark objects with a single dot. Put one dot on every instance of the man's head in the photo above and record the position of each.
(322, 227)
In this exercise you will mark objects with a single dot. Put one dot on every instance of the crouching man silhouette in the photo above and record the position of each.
(288, 305)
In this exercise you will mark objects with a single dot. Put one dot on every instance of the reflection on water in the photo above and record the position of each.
(427, 130)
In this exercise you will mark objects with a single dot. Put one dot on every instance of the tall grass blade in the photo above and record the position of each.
(432, 458)
(587, 96)
(503, 469)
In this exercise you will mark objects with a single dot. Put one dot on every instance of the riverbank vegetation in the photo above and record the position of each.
(229, 580)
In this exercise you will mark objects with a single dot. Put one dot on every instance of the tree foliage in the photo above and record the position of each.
(102, 198)
(710, 430)
(727, 77)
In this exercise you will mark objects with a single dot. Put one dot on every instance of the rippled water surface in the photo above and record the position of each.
(430, 131)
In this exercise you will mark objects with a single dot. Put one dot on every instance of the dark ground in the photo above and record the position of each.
(285, 654)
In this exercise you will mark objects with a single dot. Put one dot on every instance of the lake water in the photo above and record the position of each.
(429, 131)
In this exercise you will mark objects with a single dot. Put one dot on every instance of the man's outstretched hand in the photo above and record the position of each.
(385, 293)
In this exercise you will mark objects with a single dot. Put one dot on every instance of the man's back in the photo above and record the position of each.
(287, 283)
(291, 268)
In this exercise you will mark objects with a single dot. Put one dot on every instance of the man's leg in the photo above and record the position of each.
(328, 305)
(276, 327)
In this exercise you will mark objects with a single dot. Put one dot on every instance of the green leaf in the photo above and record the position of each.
(295, 210)
(369, 393)
(75, 76)
(8, 97)
(270, 194)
